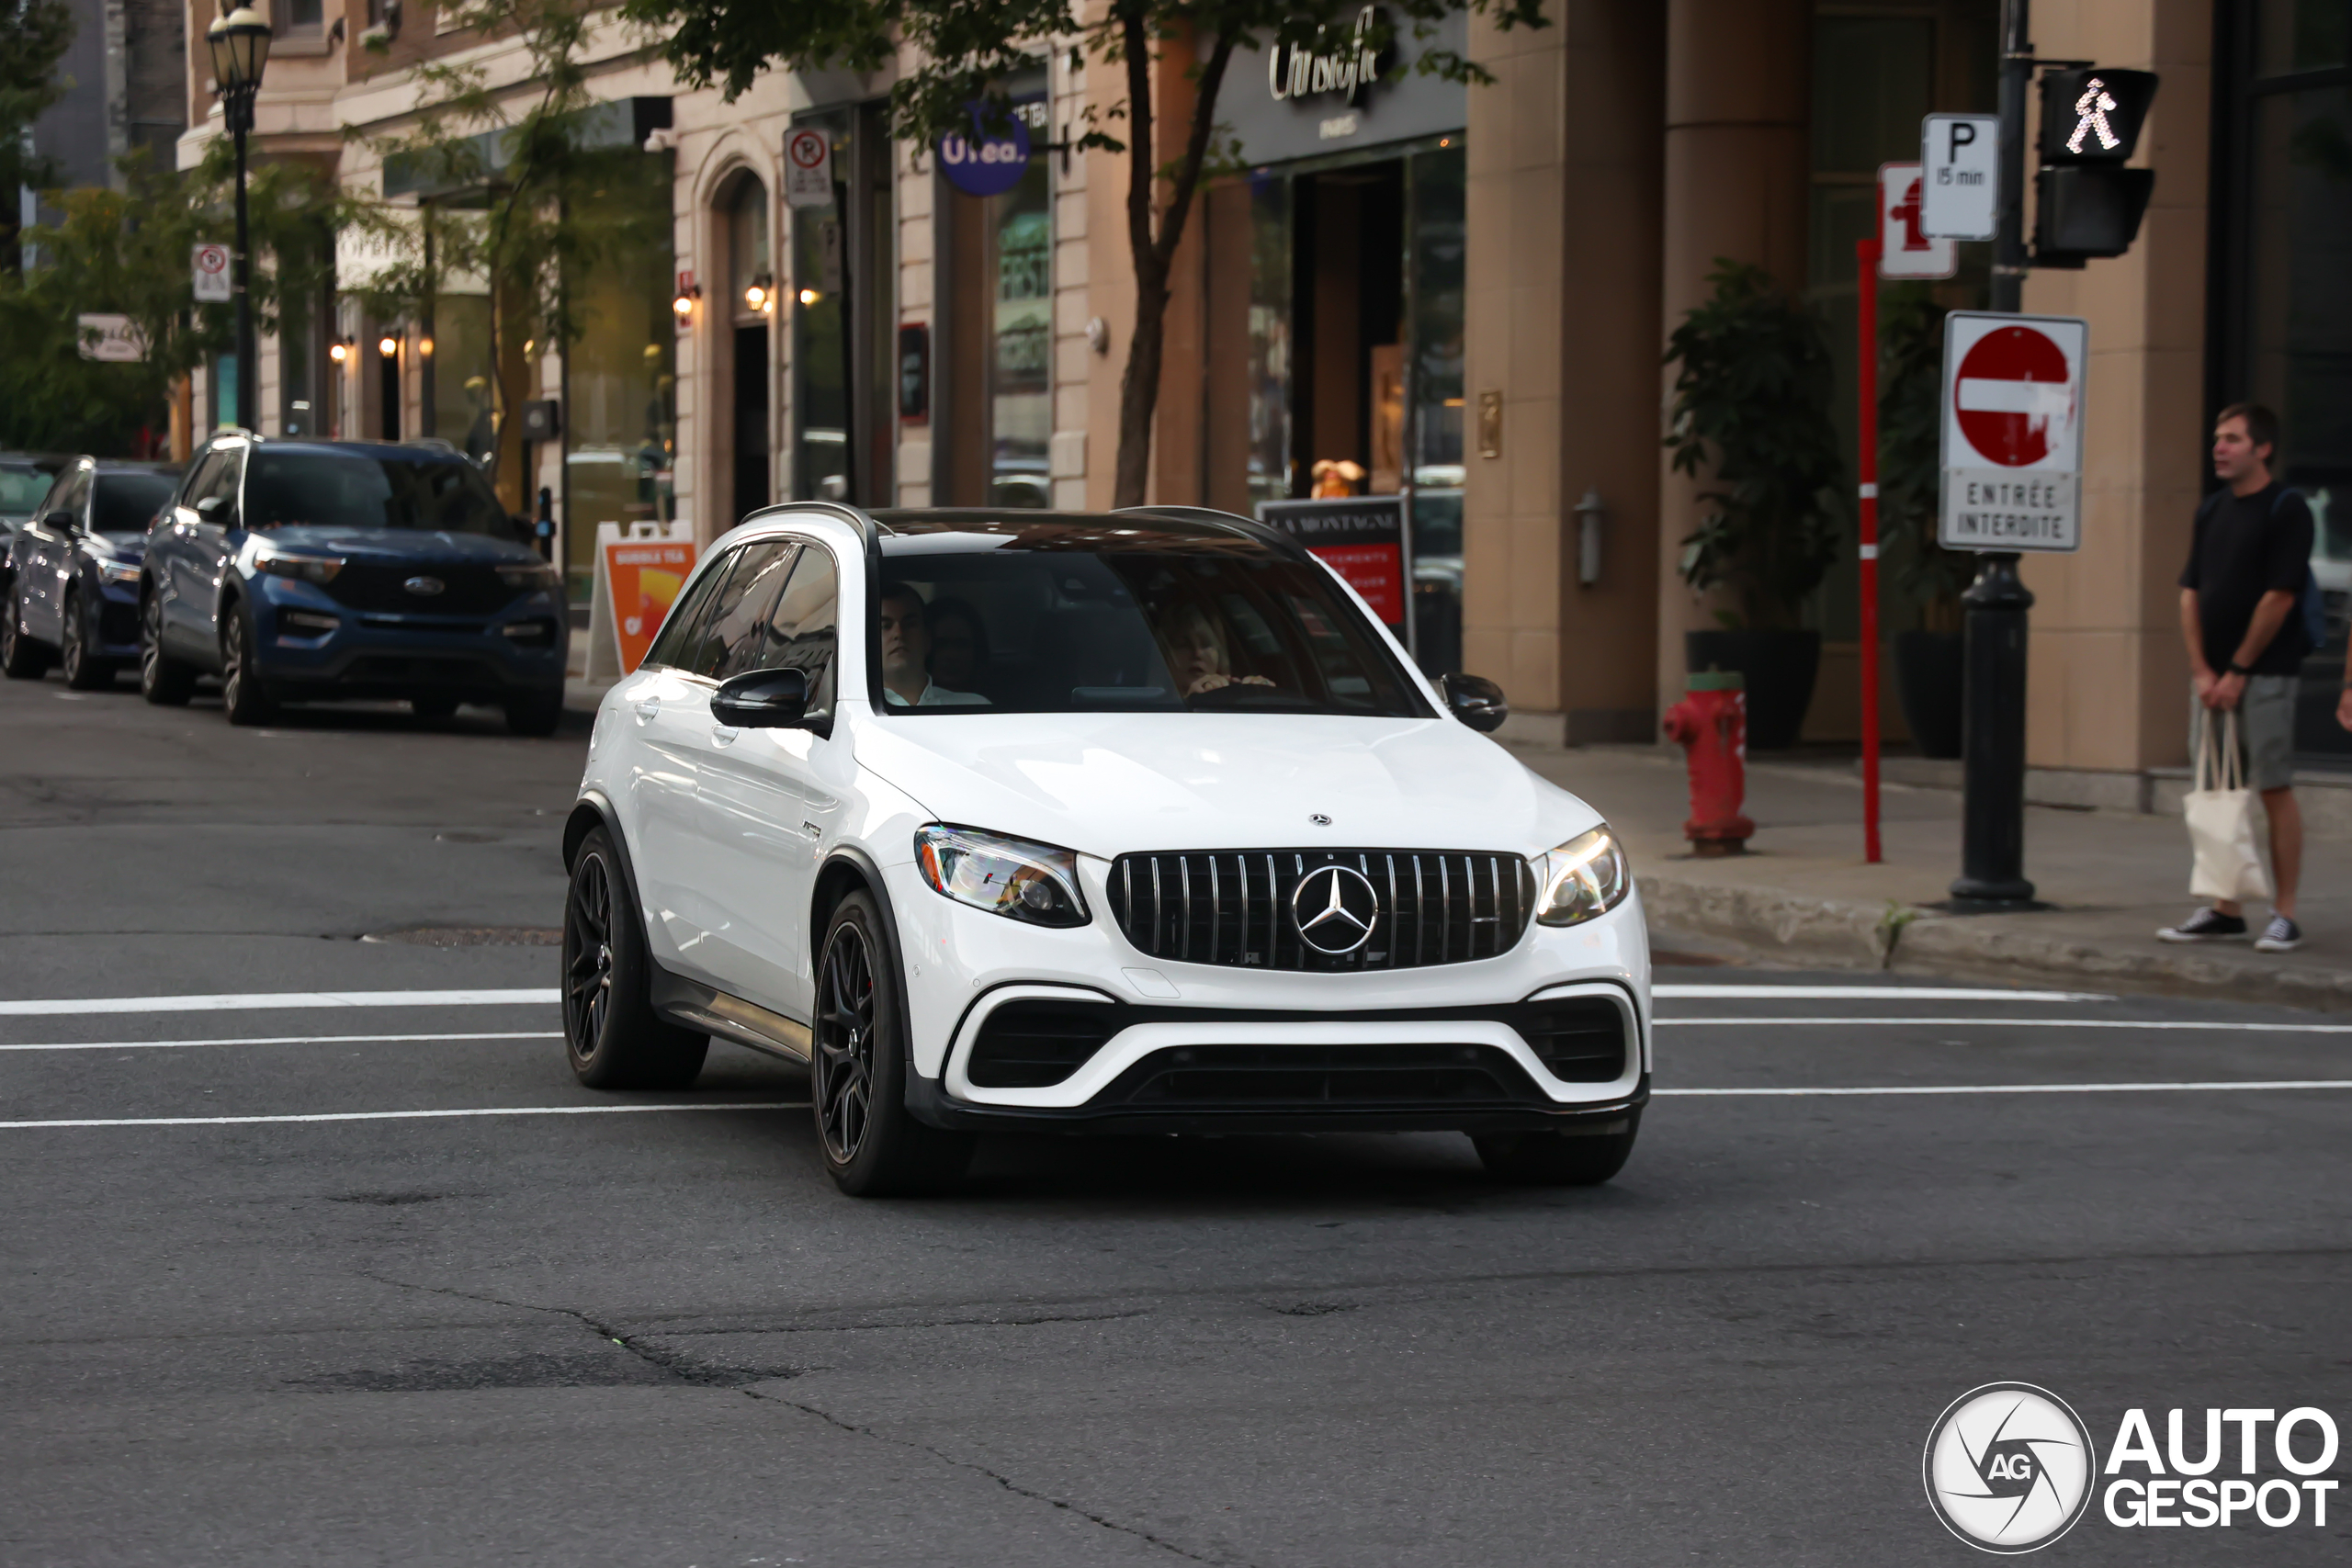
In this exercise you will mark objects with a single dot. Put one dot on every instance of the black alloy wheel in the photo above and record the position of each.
(21, 658)
(858, 1064)
(612, 1036)
(163, 680)
(243, 697)
(84, 671)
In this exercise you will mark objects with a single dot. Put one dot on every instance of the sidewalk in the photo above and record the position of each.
(1802, 893)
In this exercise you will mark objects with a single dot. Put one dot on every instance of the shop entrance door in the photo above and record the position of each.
(842, 302)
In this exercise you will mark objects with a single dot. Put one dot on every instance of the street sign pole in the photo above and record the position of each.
(1866, 260)
(1991, 841)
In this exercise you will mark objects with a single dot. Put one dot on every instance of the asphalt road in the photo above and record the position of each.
(658, 1336)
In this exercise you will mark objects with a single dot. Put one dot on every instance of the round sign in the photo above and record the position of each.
(212, 258)
(805, 148)
(978, 164)
(2014, 396)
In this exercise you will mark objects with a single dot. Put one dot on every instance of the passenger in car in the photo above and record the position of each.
(904, 622)
(1195, 648)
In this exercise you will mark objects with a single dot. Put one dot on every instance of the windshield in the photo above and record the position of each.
(1059, 623)
(357, 490)
(126, 503)
(20, 490)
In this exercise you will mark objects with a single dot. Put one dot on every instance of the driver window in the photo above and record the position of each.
(731, 634)
(680, 628)
(800, 633)
(64, 506)
(223, 481)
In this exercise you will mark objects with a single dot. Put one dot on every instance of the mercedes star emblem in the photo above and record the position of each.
(1335, 909)
(428, 586)
(1319, 819)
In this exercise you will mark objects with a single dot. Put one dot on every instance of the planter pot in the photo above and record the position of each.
(1927, 667)
(1780, 667)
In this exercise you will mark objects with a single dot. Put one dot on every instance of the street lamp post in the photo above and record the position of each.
(240, 45)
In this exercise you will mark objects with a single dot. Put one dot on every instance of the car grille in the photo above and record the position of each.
(1277, 1077)
(1229, 908)
(465, 589)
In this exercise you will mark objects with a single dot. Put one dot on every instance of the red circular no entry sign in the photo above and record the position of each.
(2014, 396)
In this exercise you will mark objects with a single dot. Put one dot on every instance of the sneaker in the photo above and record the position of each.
(2281, 936)
(2207, 925)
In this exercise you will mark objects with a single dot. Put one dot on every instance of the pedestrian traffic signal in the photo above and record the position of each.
(2086, 202)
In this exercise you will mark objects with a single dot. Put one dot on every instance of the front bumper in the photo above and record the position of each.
(517, 651)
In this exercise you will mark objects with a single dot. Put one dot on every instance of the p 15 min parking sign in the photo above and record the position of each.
(2012, 431)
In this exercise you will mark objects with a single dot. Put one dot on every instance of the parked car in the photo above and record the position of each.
(1010, 820)
(299, 571)
(24, 480)
(72, 592)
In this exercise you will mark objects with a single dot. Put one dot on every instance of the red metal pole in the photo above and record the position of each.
(1866, 254)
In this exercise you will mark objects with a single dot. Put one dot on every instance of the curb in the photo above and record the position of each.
(1841, 933)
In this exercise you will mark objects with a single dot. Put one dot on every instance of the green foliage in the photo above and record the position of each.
(126, 252)
(1750, 416)
(1910, 419)
(33, 36)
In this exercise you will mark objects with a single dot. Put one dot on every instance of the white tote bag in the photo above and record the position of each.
(2220, 812)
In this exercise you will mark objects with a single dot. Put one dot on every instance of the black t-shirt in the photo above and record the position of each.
(2244, 547)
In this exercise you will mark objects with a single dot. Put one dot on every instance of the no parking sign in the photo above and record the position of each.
(2012, 431)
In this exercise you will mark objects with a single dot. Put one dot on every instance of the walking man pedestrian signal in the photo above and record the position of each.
(2091, 111)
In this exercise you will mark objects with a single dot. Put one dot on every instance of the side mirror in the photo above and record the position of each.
(214, 509)
(762, 699)
(1477, 701)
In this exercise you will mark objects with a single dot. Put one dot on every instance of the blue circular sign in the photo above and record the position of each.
(980, 165)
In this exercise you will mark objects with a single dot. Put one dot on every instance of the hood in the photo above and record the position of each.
(395, 545)
(1108, 783)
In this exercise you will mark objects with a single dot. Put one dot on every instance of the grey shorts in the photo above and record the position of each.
(2265, 729)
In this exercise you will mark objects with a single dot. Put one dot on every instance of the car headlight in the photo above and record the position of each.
(125, 572)
(285, 563)
(1585, 877)
(1013, 877)
(531, 574)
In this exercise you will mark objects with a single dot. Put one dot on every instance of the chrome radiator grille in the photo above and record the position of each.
(1239, 908)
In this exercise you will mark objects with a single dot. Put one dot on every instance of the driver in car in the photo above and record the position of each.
(1197, 656)
(906, 652)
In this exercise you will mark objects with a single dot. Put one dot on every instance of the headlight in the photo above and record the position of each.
(1585, 877)
(123, 572)
(1013, 877)
(308, 568)
(531, 574)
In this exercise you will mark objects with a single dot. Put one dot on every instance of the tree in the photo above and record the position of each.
(963, 51)
(1751, 415)
(33, 36)
(519, 205)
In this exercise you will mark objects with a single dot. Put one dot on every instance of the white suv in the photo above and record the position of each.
(1135, 822)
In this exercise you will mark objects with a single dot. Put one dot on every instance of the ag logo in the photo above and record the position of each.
(2009, 1467)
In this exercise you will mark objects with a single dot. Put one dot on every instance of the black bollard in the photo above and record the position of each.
(1992, 846)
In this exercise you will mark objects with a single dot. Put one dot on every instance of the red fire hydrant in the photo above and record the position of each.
(1710, 726)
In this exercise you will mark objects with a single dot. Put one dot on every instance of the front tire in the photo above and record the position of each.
(611, 1034)
(21, 658)
(84, 671)
(163, 680)
(857, 1069)
(242, 696)
(1558, 1159)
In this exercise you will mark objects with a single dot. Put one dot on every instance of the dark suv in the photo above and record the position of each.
(305, 570)
(71, 585)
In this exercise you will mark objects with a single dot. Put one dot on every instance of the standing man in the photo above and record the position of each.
(2241, 614)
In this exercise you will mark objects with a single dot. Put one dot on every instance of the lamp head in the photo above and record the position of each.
(240, 45)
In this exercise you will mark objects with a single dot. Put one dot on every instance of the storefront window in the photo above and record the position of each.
(842, 299)
(1021, 339)
(1437, 246)
(620, 373)
(462, 368)
(1270, 290)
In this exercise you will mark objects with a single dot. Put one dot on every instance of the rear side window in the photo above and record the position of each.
(802, 631)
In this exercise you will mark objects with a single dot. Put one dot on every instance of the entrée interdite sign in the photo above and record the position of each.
(2012, 431)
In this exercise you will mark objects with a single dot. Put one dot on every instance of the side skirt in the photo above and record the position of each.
(694, 1005)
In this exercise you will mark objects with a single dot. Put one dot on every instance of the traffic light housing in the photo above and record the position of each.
(2086, 202)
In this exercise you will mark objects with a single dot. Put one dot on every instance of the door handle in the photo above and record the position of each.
(724, 734)
(648, 706)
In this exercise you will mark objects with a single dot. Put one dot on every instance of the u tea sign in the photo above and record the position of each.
(2012, 431)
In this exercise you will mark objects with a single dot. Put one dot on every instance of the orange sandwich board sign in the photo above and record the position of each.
(640, 574)
(2012, 431)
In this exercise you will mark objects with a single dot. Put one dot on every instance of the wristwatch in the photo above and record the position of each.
(2235, 667)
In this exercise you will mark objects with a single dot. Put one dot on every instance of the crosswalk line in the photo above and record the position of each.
(65, 1007)
(399, 1115)
(279, 1040)
(1865, 994)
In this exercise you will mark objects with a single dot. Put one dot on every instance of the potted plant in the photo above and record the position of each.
(1750, 418)
(1926, 659)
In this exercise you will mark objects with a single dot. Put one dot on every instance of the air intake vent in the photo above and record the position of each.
(1578, 1039)
(1392, 909)
(1034, 1044)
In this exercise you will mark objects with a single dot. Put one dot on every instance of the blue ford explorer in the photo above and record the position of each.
(305, 570)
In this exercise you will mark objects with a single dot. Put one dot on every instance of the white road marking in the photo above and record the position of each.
(404, 1115)
(2012, 1089)
(1864, 994)
(279, 1040)
(257, 1001)
(2020, 1023)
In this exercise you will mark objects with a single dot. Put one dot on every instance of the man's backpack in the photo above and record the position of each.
(2315, 602)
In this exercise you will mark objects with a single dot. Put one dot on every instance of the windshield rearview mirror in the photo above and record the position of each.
(1477, 701)
(762, 699)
